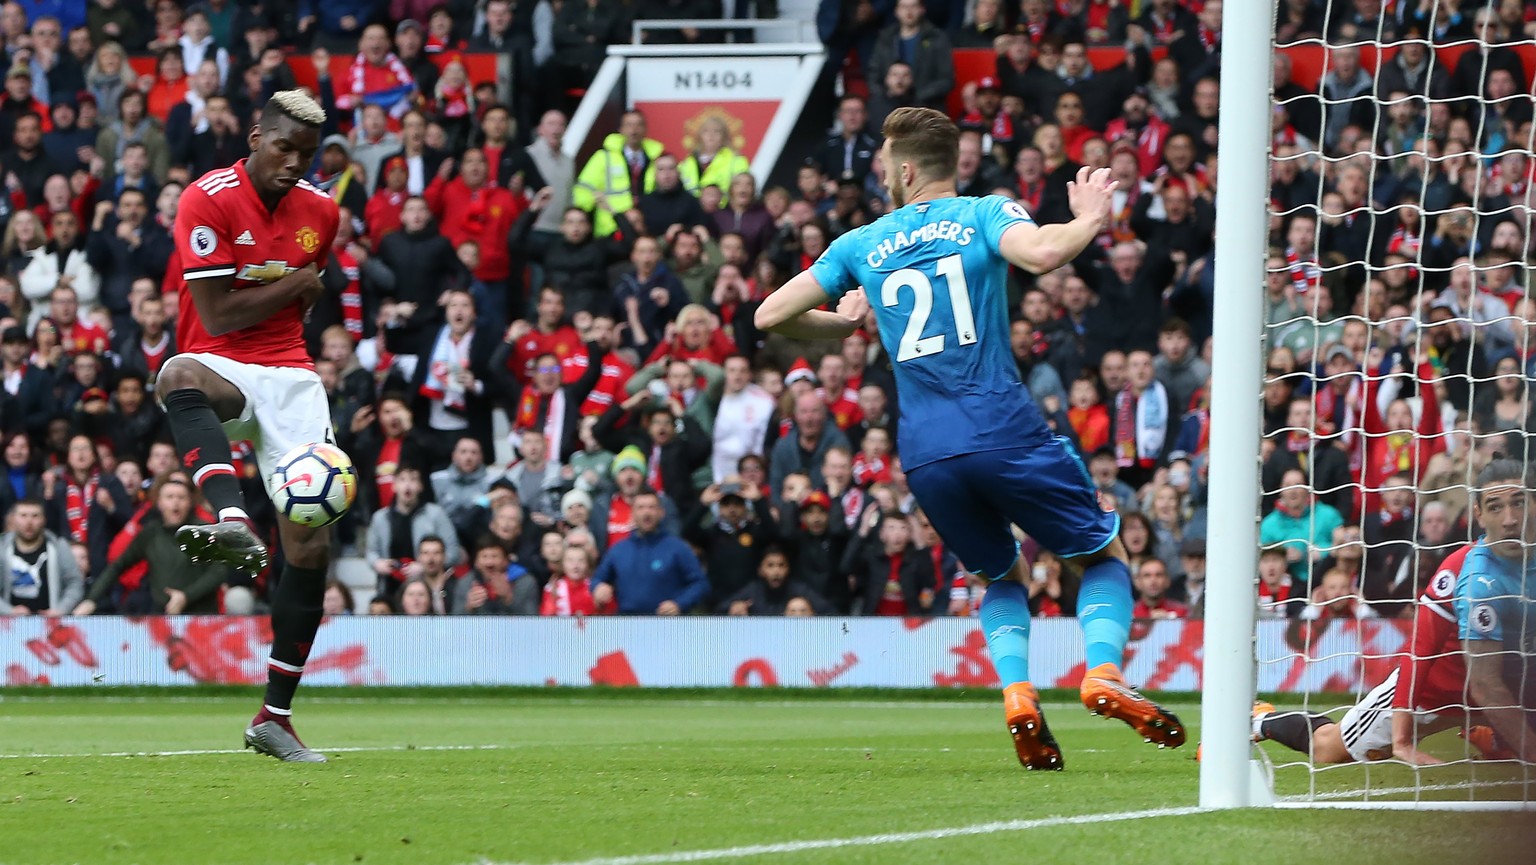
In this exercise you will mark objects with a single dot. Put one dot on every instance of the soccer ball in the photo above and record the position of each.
(313, 484)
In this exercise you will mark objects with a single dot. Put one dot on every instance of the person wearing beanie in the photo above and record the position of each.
(612, 517)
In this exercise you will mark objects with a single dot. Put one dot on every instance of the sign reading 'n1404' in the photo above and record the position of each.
(678, 79)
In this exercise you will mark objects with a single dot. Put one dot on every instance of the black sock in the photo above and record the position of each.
(1292, 729)
(204, 449)
(297, 605)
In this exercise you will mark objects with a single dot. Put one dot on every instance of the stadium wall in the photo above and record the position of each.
(688, 652)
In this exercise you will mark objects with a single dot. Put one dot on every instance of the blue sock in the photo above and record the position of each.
(1005, 621)
(1104, 611)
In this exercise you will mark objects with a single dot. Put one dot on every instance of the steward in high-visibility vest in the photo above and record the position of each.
(606, 186)
(718, 171)
(698, 170)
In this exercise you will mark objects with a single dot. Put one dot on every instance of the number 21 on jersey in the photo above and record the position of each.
(913, 344)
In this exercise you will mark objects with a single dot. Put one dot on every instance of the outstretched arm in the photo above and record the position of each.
(1405, 742)
(1485, 678)
(1043, 248)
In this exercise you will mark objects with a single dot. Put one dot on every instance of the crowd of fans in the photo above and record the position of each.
(667, 456)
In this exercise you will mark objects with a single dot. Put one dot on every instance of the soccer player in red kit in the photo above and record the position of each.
(250, 241)
(1422, 696)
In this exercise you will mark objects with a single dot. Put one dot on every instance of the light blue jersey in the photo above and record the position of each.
(1496, 598)
(939, 289)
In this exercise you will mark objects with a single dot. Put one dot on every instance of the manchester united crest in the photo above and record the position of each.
(729, 125)
(308, 239)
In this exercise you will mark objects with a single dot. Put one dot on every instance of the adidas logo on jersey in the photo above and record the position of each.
(245, 239)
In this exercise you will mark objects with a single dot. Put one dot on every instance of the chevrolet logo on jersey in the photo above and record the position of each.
(271, 271)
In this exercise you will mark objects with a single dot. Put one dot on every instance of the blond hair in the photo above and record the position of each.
(298, 105)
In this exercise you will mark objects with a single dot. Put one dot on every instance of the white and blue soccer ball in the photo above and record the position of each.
(313, 484)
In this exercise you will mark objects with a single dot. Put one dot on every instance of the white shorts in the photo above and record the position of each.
(285, 406)
(1367, 727)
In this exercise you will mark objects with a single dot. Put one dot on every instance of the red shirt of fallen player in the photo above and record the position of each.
(224, 229)
(1432, 676)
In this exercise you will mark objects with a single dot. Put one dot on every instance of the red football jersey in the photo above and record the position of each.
(1433, 674)
(564, 343)
(223, 229)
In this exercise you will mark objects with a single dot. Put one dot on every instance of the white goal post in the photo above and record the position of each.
(1227, 777)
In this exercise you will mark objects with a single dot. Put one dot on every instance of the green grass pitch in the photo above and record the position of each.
(635, 778)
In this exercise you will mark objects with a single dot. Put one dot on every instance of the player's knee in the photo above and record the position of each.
(306, 547)
(176, 375)
(1112, 550)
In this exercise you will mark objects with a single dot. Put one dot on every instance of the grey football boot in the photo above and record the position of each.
(275, 740)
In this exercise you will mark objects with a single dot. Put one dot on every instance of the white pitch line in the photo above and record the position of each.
(209, 751)
(878, 840)
(1339, 795)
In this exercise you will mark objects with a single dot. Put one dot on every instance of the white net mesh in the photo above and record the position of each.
(1401, 347)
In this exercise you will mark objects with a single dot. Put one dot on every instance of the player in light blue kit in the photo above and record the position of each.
(977, 453)
(1496, 604)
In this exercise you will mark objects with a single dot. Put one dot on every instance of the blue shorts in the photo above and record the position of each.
(972, 500)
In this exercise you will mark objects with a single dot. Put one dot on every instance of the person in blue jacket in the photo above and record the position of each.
(649, 572)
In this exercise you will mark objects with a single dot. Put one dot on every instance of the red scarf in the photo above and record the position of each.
(1125, 428)
(1405, 243)
(1398, 449)
(351, 295)
(1304, 274)
(1030, 194)
(530, 405)
(1120, 223)
(1344, 428)
(853, 506)
(653, 468)
(77, 506)
(1281, 595)
(453, 102)
(528, 409)
(870, 470)
(1035, 30)
(1209, 38)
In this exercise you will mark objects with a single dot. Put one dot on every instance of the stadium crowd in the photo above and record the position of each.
(670, 458)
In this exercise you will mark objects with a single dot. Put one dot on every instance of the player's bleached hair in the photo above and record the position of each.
(926, 138)
(295, 104)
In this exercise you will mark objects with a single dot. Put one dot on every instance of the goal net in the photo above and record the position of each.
(1400, 357)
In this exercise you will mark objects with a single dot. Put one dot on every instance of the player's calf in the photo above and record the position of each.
(205, 453)
(1307, 732)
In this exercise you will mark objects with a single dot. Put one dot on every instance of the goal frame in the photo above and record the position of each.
(1233, 774)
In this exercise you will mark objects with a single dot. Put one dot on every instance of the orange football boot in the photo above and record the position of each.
(1487, 744)
(1260, 709)
(1032, 739)
(1105, 693)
